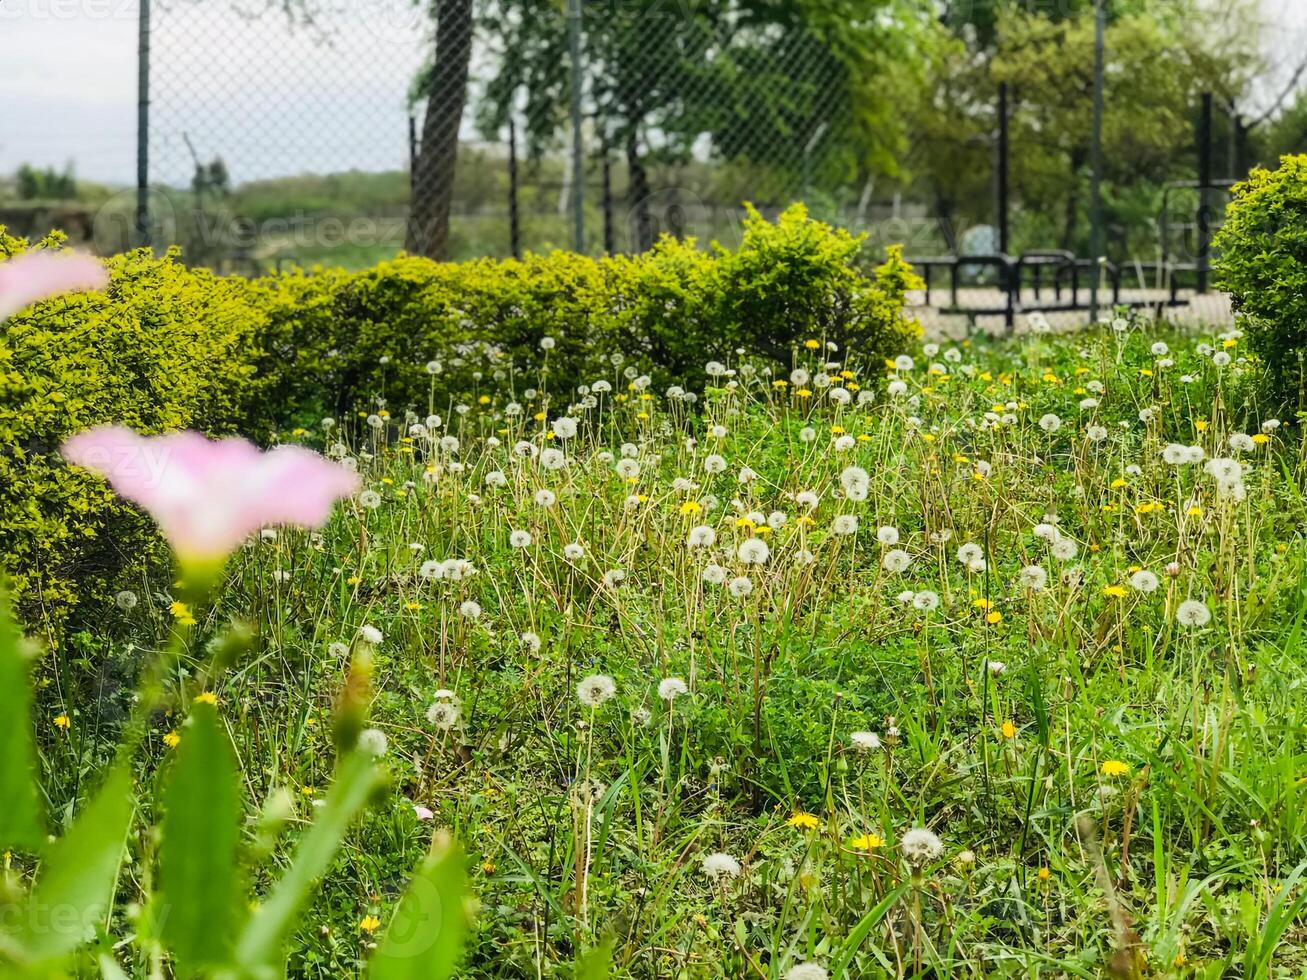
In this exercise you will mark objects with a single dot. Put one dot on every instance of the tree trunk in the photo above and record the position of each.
(433, 180)
(639, 194)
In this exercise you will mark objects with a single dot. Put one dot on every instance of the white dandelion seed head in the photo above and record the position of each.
(670, 688)
(1193, 614)
(1034, 578)
(926, 601)
(920, 846)
(714, 574)
(1144, 581)
(896, 561)
(443, 715)
(594, 690)
(372, 741)
(740, 586)
(720, 865)
(1064, 549)
(970, 552)
(865, 741)
(845, 524)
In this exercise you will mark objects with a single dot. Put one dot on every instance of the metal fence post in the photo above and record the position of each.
(578, 156)
(1096, 177)
(1002, 168)
(1204, 192)
(142, 216)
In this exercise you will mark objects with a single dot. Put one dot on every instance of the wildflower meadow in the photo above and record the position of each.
(893, 656)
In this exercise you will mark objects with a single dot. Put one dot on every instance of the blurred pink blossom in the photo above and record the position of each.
(207, 496)
(34, 276)
(423, 813)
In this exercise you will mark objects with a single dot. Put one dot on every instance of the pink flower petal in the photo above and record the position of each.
(34, 276)
(206, 496)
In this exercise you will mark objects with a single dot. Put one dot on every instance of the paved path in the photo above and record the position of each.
(1208, 310)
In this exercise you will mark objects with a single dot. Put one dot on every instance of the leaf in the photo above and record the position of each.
(20, 815)
(843, 958)
(595, 964)
(199, 883)
(74, 891)
(260, 941)
(425, 937)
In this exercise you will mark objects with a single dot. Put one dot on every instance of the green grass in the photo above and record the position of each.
(589, 824)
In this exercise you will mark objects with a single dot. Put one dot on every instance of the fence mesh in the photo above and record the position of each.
(305, 132)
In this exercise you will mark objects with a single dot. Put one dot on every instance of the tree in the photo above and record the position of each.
(445, 91)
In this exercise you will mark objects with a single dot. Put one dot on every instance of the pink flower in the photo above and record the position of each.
(423, 813)
(206, 496)
(34, 276)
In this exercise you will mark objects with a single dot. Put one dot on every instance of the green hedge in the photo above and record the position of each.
(170, 347)
(1263, 265)
(165, 347)
(669, 311)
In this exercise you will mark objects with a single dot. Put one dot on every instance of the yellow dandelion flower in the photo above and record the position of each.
(1115, 767)
(814, 344)
(370, 924)
(1115, 591)
(804, 821)
(63, 722)
(182, 613)
(994, 617)
(172, 740)
(208, 697)
(1261, 438)
(867, 842)
(1009, 730)
(1044, 874)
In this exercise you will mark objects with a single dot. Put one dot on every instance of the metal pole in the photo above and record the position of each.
(1096, 160)
(1204, 188)
(514, 228)
(578, 156)
(610, 244)
(1002, 169)
(412, 151)
(142, 217)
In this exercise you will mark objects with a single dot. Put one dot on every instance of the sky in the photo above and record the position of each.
(232, 77)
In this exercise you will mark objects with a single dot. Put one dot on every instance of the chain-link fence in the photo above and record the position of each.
(484, 127)
(342, 131)
(301, 131)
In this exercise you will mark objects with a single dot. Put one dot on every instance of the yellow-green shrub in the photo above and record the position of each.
(1263, 265)
(668, 311)
(165, 347)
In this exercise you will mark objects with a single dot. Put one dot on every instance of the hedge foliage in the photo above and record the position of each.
(1263, 265)
(169, 347)
(165, 347)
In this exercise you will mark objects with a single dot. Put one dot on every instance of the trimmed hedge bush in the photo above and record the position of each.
(167, 347)
(669, 311)
(1263, 265)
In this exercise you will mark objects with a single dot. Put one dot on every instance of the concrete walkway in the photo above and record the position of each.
(1211, 310)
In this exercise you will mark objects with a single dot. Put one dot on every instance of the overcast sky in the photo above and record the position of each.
(269, 100)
